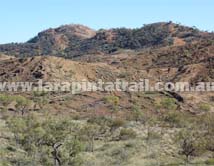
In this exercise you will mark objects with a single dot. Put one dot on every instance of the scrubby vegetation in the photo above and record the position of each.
(109, 128)
(38, 138)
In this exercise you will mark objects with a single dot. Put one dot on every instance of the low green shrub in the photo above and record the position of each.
(175, 119)
(204, 107)
(210, 161)
(116, 123)
(126, 134)
(168, 103)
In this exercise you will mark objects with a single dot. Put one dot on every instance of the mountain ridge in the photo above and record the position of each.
(76, 40)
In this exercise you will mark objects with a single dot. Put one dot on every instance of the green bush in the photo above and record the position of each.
(168, 103)
(191, 143)
(100, 120)
(174, 118)
(113, 100)
(116, 123)
(5, 99)
(204, 107)
(126, 134)
(210, 162)
(137, 113)
(113, 103)
(49, 136)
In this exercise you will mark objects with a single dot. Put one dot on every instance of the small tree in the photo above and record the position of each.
(137, 113)
(89, 133)
(47, 141)
(126, 134)
(188, 148)
(113, 103)
(22, 104)
(191, 143)
(56, 134)
(208, 121)
(41, 98)
(72, 149)
(168, 103)
(115, 124)
(5, 99)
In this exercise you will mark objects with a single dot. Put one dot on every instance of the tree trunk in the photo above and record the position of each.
(55, 153)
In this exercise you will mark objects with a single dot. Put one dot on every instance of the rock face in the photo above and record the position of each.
(159, 52)
(51, 69)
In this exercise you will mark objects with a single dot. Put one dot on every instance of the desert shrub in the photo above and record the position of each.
(168, 103)
(5, 99)
(47, 136)
(39, 94)
(137, 113)
(126, 134)
(100, 120)
(209, 140)
(116, 123)
(121, 155)
(123, 75)
(89, 133)
(191, 143)
(210, 162)
(41, 98)
(152, 135)
(113, 100)
(204, 107)
(187, 53)
(207, 121)
(113, 103)
(175, 119)
(22, 104)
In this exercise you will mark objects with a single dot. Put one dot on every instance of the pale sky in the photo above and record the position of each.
(23, 19)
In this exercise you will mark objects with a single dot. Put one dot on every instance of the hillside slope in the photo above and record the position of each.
(76, 40)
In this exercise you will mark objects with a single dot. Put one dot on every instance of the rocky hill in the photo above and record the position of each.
(52, 69)
(75, 40)
(109, 128)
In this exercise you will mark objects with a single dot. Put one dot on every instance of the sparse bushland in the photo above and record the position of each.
(89, 133)
(41, 139)
(207, 121)
(45, 140)
(196, 138)
(176, 119)
(157, 136)
(109, 129)
(191, 143)
(19, 104)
